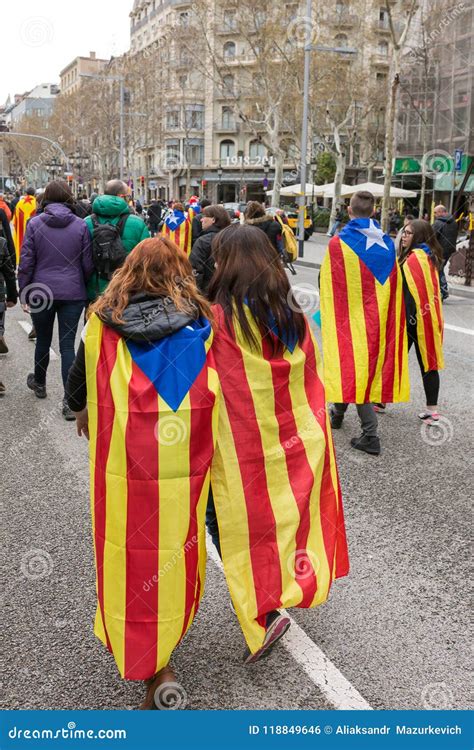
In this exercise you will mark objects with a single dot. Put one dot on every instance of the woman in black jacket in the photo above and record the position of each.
(256, 216)
(8, 292)
(213, 219)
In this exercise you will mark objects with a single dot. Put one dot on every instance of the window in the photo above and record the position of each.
(341, 40)
(341, 7)
(194, 115)
(229, 50)
(381, 79)
(195, 153)
(227, 149)
(183, 81)
(383, 49)
(172, 119)
(227, 120)
(183, 19)
(383, 18)
(228, 84)
(230, 20)
(257, 151)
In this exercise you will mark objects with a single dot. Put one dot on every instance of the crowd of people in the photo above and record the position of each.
(198, 383)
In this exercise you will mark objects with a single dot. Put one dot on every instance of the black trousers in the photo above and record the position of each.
(430, 378)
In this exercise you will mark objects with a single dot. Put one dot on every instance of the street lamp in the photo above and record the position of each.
(308, 48)
(121, 81)
(220, 172)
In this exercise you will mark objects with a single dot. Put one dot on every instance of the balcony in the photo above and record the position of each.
(226, 128)
(345, 21)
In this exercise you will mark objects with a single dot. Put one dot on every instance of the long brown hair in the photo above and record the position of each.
(159, 268)
(249, 272)
(423, 233)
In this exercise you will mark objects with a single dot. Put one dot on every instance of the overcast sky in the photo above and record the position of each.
(38, 39)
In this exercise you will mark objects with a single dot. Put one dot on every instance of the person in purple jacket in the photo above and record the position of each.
(56, 261)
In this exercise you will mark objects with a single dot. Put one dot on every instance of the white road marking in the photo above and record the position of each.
(458, 329)
(27, 327)
(336, 689)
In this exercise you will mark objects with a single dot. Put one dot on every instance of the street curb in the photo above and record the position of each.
(455, 290)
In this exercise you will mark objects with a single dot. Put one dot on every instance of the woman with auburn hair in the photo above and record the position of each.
(144, 392)
(278, 520)
(420, 260)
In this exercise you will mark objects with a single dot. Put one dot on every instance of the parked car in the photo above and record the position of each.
(235, 209)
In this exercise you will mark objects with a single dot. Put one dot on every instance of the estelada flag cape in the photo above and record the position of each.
(152, 420)
(274, 478)
(423, 283)
(24, 210)
(363, 318)
(177, 228)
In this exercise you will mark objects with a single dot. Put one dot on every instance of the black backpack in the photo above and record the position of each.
(108, 251)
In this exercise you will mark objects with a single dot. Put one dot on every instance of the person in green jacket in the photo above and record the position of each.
(109, 208)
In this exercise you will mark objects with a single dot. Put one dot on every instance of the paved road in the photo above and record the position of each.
(394, 633)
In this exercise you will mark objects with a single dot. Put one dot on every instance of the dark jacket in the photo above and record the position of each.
(6, 233)
(7, 274)
(155, 212)
(145, 319)
(270, 226)
(201, 258)
(446, 231)
(56, 254)
(82, 209)
(109, 209)
(196, 228)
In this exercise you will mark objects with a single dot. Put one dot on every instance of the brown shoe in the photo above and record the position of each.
(163, 692)
(3, 346)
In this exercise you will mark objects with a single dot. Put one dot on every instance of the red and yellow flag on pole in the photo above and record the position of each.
(274, 479)
(152, 421)
(423, 283)
(24, 210)
(363, 318)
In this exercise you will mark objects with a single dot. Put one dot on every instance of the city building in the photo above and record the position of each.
(204, 143)
(73, 72)
(38, 102)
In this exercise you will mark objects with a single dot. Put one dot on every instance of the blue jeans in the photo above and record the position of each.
(68, 313)
(334, 228)
(443, 282)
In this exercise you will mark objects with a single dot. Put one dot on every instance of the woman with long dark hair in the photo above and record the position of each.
(55, 263)
(420, 260)
(278, 517)
(144, 392)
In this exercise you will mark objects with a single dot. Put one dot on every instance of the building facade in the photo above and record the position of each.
(81, 66)
(38, 102)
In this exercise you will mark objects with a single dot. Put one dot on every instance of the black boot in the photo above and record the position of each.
(336, 419)
(367, 443)
(39, 390)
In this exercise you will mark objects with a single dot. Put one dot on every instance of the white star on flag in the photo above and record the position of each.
(374, 236)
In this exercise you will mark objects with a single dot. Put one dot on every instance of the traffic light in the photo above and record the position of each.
(142, 181)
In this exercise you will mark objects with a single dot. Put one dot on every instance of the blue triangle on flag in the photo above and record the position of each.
(172, 364)
(372, 246)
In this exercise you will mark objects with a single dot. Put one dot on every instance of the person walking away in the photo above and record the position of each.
(14, 201)
(446, 232)
(5, 207)
(55, 263)
(213, 220)
(337, 222)
(144, 390)
(363, 322)
(256, 216)
(6, 240)
(83, 207)
(8, 292)
(420, 261)
(274, 478)
(155, 213)
(112, 210)
(196, 226)
(177, 228)
(24, 210)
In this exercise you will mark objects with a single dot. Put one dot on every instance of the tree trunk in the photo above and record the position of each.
(278, 178)
(389, 146)
(370, 173)
(338, 179)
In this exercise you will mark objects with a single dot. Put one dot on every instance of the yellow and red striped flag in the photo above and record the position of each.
(177, 228)
(423, 283)
(274, 478)
(24, 210)
(152, 421)
(363, 318)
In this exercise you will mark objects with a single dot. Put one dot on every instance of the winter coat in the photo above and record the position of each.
(56, 254)
(6, 233)
(109, 209)
(446, 231)
(82, 209)
(155, 212)
(201, 258)
(7, 275)
(5, 207)
(270, 226)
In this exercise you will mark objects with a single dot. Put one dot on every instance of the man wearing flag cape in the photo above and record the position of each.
(177, 228)
(363, 322)
(24, 210)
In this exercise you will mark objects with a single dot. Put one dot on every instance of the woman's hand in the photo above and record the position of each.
(25, 308)
(82, 423)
